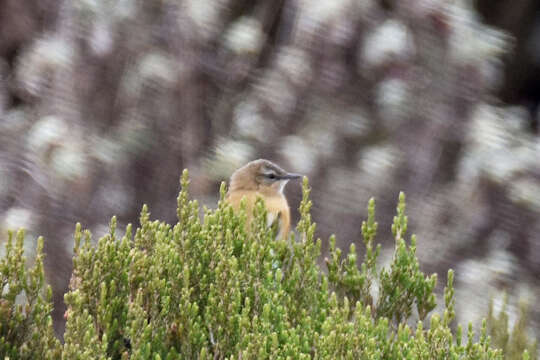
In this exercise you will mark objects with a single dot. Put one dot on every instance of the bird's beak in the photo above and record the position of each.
(290, 176)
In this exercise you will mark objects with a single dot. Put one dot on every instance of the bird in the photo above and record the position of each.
(262, 178)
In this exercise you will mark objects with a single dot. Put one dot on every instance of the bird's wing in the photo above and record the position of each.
(273, 220)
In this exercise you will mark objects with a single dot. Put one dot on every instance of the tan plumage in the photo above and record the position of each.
(262, 178)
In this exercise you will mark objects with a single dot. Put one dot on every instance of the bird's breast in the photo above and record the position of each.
(276, 206)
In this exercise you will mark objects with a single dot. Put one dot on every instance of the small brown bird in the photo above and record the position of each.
(263, 178)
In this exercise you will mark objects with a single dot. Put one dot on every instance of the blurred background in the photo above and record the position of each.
(104, 102)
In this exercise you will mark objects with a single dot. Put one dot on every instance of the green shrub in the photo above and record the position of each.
(515, 344)
(26, 330)
(213, 289)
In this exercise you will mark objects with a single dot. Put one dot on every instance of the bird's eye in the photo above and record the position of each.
(271, 176)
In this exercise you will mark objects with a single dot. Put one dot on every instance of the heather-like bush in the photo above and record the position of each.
(212, 289)
(25, 305)
(515, 344)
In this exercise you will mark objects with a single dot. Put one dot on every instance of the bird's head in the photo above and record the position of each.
(261, 175)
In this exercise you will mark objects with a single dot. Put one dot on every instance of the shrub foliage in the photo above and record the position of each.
(25, 305)
(213, 289)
